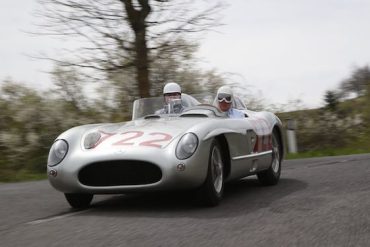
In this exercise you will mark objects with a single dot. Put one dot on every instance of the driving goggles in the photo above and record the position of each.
(172, 94)
(224, 97)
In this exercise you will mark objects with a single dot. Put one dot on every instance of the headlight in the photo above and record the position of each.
(91, 140)
(186, 146)
(57, 152)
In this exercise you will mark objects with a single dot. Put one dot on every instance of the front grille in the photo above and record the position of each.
(119, 172)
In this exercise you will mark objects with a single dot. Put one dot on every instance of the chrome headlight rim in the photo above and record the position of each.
(186, 139)
(55, 159)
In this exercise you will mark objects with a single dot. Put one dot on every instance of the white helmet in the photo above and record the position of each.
(225, 90)
(171, 87)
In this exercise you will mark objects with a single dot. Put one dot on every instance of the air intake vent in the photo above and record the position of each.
(119, 172)
(152, 116)
(193, 115)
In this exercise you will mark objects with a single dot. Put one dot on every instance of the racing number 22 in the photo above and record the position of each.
(131, 135)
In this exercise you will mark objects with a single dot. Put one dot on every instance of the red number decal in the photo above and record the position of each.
(137, 134)
(153, 143)
(104, 137)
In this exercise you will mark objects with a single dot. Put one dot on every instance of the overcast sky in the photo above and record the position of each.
(286, 49)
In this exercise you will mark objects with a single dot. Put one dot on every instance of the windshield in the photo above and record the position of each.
(149, 106)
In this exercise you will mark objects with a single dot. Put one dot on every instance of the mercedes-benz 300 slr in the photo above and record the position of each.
(198, 149)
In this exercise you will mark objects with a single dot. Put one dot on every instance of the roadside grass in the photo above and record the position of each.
(353, 139)
(327, 152)
(8, 176)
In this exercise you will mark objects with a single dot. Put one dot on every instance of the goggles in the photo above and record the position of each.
(224, 97)
(172, 94)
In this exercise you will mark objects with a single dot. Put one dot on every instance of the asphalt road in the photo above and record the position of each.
(318, 202)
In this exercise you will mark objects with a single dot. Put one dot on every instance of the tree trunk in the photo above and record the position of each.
(136, 19)
(142, 64)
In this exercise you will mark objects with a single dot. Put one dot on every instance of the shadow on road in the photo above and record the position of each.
(241, 197)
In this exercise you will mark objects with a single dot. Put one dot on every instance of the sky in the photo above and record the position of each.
(282, 50)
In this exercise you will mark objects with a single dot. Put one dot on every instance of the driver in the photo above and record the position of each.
(225, 99)
(172, 99)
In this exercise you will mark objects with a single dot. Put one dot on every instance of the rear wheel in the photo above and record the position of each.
(272, 175)
(79, 201)
(212, 190)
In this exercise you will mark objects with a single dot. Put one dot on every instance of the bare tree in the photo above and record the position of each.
(68, 85)
(115, 35)
(357, 82)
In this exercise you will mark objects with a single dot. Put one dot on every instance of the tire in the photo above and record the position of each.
(271, 176)
(79, 201)
(211, 192)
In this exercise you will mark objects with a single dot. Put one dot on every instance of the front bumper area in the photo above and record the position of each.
(134, 170)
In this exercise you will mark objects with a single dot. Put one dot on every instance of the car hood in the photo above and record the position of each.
(143, 133)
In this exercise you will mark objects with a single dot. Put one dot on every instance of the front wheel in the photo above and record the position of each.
(272, 175)
(212, 190)
(79, 201)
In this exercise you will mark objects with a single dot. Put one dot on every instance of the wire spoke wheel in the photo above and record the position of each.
(275, 155)
(217, 169)
(271, 176)
(211, 192)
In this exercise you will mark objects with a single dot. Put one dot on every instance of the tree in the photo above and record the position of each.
(331, 100)
(119, 35)
(181, 67)
(69, 86)
(357, 82)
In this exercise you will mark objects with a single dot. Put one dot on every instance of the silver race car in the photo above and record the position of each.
(199, 149)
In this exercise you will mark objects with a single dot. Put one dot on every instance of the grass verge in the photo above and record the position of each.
(327, 152)
(7, 176)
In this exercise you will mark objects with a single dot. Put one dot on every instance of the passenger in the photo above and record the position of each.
(225, 99)
(172, 99)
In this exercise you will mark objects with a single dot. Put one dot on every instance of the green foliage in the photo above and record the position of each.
(29, 123)
(331, 100)
(20, 175)
(367, 107)
(324, 129)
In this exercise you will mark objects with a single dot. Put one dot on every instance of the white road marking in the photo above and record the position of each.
(36, 222)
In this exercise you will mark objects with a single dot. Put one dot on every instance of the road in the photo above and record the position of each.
(318, 202)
